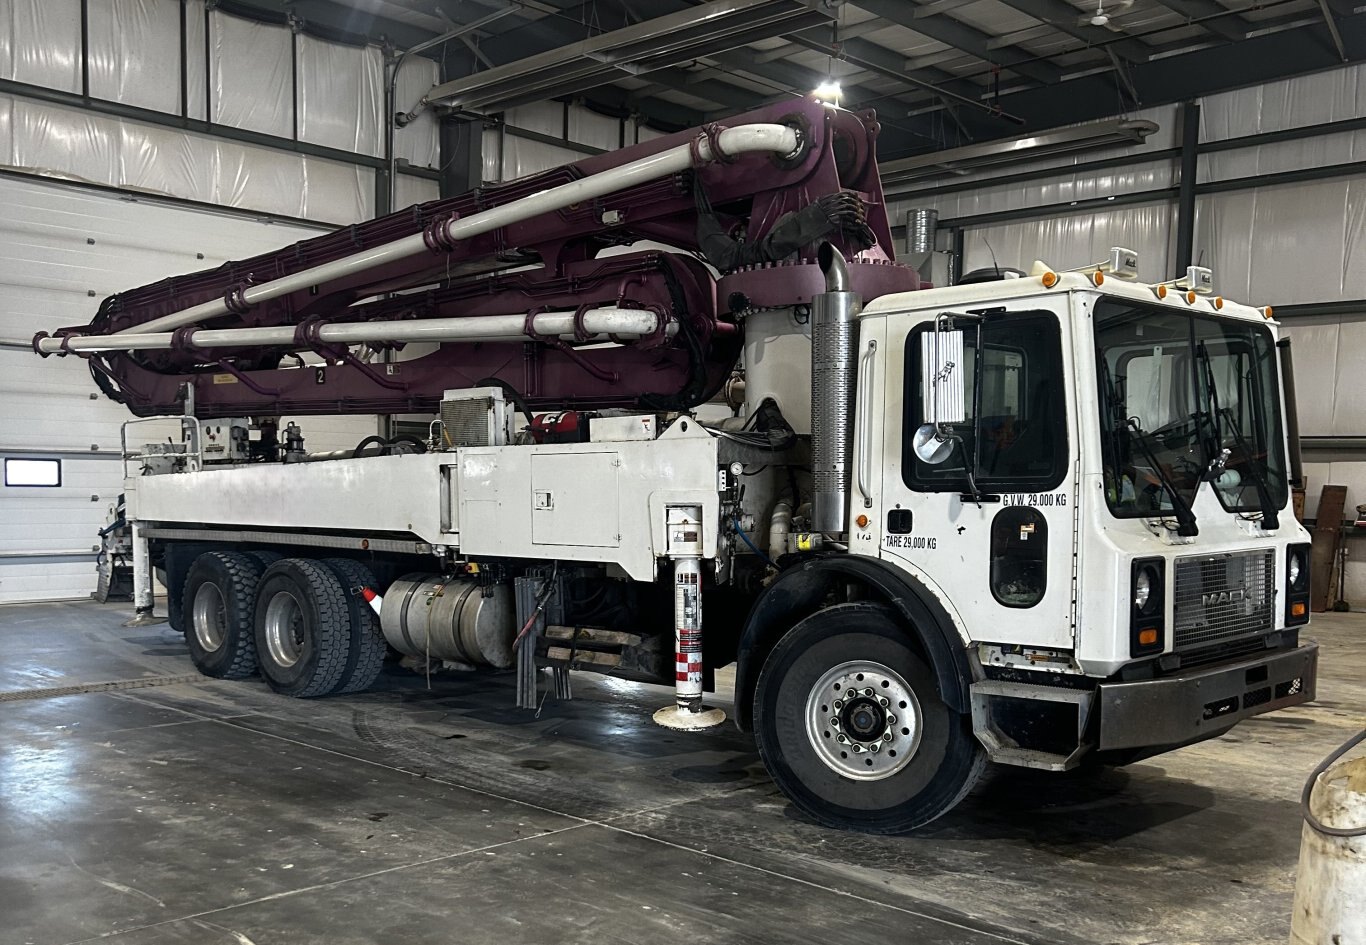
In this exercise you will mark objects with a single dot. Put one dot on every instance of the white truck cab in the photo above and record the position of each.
(1101, 504)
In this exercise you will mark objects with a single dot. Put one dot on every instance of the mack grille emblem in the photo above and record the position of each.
(1224, 597)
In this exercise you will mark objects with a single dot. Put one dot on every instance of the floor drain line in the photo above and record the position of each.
(116, 685)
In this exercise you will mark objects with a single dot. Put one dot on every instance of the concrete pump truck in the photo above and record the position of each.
(1037, 521)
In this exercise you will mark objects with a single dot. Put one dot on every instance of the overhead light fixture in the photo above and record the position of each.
(828, 92)
(1093, 136)
(635, 50)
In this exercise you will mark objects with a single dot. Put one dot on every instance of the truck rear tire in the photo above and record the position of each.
(366, 655)
(851, 727)
(303, 628)
(218, 611)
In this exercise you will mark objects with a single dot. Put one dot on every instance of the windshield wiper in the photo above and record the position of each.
(1216, 457)
(1270, 520)
(1185, 516)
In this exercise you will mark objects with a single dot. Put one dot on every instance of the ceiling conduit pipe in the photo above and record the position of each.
(393, 120)
(742, 139)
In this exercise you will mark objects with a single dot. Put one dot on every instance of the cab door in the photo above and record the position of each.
(989, 522)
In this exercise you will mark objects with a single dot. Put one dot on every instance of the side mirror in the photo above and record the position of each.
(929, 447)
(942, 392)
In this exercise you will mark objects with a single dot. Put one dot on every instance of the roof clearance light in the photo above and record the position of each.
(1123, 263)
(1200, 279)
(1049, 279)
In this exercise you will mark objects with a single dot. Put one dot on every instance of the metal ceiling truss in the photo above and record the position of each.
(634, 50)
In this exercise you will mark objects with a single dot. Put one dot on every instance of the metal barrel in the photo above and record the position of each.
(427, 615)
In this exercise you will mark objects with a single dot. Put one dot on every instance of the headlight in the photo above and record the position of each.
(1143, 589)
(1147, 629)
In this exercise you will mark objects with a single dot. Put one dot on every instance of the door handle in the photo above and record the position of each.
(864, 394)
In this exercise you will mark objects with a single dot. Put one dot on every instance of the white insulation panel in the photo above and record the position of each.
(251, 69)
(135, 50)
(78, 145)
(1075, 240)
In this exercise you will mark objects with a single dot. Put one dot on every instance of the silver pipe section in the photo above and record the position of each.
(834, 332)
(742, 139)
(600, 324)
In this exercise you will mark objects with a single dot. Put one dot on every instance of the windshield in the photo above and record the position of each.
(1176, 390)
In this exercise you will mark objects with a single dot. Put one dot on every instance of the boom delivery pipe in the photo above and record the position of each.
(742, 139)
(596, 324)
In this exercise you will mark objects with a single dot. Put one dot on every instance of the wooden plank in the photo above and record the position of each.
(1327, 534)
(581, 657)
(592, 635)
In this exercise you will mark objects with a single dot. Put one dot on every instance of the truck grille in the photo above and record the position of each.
(1220, 597)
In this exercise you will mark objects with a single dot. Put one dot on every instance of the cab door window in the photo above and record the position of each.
(1014, 436)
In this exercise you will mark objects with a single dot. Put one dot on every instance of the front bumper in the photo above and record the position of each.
(1189, 706)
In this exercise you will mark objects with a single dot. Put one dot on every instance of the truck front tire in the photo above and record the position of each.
(850, 725)
(303, 628)
(217, 607)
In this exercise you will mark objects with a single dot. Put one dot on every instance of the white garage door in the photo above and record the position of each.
(63, 248)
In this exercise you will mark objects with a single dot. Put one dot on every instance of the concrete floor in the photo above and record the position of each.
(188, 810)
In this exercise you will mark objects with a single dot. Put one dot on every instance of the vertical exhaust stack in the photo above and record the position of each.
(921, 229)
(834, 336)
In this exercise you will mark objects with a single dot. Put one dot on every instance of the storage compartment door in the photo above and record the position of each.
(574, 499)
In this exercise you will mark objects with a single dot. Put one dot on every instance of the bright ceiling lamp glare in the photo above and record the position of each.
(828, 92)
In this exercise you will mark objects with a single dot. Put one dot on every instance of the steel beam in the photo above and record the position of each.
(1212, 16)
(967, 38)
(462, 156)
(196, 125)
(1185, 203)
(1175, 78)
(1062, 16)
(637, 49)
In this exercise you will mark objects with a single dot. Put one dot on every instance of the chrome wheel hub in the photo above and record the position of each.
(209, 617)
(284, 629)
(863, 720)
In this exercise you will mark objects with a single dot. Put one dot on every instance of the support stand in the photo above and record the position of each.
(688, 713)
(144, 603)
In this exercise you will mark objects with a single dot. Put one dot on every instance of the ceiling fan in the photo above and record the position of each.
(1105, 18)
